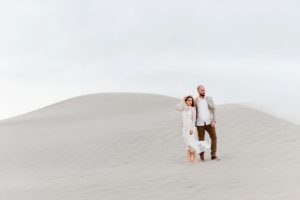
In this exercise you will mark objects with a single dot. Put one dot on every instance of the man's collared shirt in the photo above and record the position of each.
(203, 115)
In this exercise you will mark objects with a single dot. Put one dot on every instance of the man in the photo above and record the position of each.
(206, 120)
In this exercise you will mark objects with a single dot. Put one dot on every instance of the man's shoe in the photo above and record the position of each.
(214, 157)
(202, 157)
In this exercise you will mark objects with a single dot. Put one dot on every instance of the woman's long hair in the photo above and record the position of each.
(190, 97)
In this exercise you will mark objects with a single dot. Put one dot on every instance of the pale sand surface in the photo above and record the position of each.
(129, 146)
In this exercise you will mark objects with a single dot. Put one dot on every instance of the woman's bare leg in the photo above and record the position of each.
(188, 155)
(192, 156)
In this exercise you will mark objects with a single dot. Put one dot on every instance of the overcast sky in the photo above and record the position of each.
(242, 51)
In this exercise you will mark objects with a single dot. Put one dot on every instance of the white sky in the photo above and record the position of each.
(243, 51)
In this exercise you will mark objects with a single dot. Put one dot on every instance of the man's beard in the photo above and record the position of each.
(202, 95)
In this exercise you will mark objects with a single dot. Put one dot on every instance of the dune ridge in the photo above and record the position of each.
(129, 146)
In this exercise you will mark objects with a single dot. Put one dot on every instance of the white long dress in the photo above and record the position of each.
(188, 123)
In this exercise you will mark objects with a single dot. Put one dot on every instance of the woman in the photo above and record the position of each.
(187, 107)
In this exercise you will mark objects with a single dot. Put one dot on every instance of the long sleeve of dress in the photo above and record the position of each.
(194, 113)
(181, 106)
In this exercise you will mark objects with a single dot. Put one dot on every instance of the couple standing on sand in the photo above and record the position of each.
(200, 113)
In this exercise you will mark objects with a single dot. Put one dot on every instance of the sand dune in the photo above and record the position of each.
(129, 146)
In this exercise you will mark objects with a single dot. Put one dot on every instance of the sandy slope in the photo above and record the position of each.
(129, 146)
